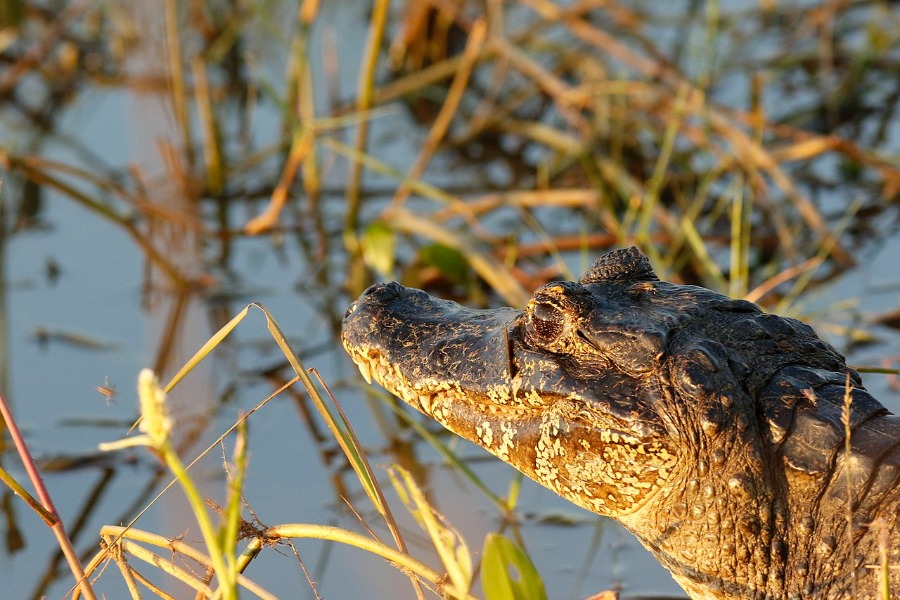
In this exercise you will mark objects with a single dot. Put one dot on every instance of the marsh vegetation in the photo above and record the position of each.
(166, 164)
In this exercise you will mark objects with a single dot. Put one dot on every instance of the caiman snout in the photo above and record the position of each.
(380, 293)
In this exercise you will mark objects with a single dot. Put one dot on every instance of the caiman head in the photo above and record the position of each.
(633, 398)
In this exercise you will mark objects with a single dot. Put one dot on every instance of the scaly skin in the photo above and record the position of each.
(711, 430)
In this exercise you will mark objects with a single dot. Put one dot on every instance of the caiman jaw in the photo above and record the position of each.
(374, 366)
(533, 438)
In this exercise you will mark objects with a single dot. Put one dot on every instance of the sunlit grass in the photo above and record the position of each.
(574, 129)
(156, 426)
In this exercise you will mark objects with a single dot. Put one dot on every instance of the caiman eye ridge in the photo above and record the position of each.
(711, 430)
(547, 321)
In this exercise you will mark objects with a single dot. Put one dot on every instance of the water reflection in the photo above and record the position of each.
(141, 147)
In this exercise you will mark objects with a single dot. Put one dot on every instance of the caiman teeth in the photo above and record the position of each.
(425, 403)
(366, 371)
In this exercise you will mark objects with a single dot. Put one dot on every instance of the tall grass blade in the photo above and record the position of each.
(206, 348)
(364, 99)
(337, 423)
(450, 546)
(740, 242)
(458, 464)
(230, 531)
(216, 170)
(177, 79)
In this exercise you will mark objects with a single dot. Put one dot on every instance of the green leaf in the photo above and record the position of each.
(507, 573)
(378, 247)
(449, 261)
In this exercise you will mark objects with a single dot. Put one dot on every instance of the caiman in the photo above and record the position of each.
(735, 444)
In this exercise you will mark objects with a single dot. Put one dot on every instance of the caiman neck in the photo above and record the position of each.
(834, 550)
(722, 533)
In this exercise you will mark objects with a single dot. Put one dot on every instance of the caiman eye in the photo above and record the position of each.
(547, 320)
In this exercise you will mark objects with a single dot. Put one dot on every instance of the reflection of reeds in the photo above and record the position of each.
(533, 90)
(585, 99)
(605, 131)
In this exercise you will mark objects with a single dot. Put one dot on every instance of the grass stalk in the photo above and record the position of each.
(299, 112)
(403, 560)
(710, 43)
(364, 98)
(848, 482)
(301, 147)
(177, 79)
(740, 242)
(127, 536)
(216, 170)
(57, 526)
(222, 562)
(337, 423)
(156, 426)
(459, 464)
(139, 535)
(166, 566)
(312, 180)
(450, 546)
(303, 87)
(884, 566)
(231, 531)
(125, 569)
(49, 518)
(441, 123)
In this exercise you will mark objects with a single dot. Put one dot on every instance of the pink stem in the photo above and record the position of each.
(59, 530)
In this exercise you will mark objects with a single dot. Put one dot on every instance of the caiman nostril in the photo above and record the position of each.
(382, 292)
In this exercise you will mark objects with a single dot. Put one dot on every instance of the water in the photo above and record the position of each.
(105, 296)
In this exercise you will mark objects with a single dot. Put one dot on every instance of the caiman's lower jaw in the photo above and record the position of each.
(373, 365)
(582, 456)
(437, 399)
(425, 395)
